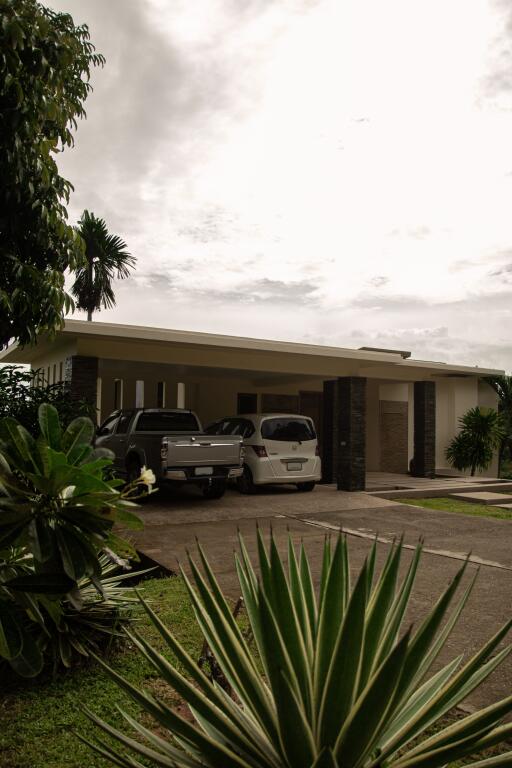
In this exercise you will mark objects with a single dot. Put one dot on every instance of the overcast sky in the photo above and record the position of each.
(329, 171)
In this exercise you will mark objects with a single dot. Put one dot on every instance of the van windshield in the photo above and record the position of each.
(166, 421)
(288, 429)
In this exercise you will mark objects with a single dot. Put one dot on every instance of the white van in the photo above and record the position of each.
(279, 448)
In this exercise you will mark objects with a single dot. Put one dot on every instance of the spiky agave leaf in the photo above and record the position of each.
(330, 680)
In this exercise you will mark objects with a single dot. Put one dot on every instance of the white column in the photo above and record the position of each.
(139, 394)
(181, 395)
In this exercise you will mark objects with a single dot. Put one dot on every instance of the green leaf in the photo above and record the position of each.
(11, 634)
(42, 539)
(360, 731)
(30, 662)
(128, 519)
(50, 425)
(338, 693)
(79, 433)
(78, 556)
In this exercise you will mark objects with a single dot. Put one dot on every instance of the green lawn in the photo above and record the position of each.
(37, 718)
(461, 507)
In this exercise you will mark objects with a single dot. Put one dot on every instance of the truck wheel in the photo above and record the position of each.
(245, 483)
(305, 487)
(214, 490)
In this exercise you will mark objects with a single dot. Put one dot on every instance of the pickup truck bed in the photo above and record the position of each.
(172, 444)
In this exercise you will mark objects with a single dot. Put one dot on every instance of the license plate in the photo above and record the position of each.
(294, 466)
(203, 471)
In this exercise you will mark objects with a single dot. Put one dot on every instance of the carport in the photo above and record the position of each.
(375, 410)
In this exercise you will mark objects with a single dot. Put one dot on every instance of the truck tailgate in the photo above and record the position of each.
(208, 450)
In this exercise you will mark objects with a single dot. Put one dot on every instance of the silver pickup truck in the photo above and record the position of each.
(172, 444)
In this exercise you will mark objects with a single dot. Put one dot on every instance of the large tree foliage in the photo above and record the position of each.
(106, 258)
(45, 63)
(480, 435)
(502, 385)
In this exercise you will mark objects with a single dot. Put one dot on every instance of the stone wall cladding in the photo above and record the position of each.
(350, 433)
(81, 375)
(393, 436)
(424, 461)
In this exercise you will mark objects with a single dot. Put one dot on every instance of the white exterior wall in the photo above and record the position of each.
(454, 397)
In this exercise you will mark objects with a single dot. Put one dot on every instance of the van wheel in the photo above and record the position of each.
(245, 483)
(305, 487)
(214, 490)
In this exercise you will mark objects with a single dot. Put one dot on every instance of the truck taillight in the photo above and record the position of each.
(317, 450)
(164, 449)
(260, 451)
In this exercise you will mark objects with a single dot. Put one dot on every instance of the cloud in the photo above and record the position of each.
(378, 281)
(497, 84)
(505, 273)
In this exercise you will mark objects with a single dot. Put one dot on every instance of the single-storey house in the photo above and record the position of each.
(375, 409)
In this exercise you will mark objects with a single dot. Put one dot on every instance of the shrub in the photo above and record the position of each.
(21, 395)
(57, 512)
(330, 682)
(481, 434)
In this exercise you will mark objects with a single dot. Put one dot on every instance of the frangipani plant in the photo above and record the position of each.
(58, 509)
(329, 681)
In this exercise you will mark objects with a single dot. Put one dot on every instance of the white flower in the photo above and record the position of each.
(67, 492)
(147, 477)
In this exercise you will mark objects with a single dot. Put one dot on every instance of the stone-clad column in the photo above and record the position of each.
(424, 461)
(81, 375)
(349, 438)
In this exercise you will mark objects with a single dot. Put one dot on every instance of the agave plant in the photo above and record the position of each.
(327, 682)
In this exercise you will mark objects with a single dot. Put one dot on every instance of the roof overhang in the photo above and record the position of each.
(169, 346)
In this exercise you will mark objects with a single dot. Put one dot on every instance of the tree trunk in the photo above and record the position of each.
(90, 277)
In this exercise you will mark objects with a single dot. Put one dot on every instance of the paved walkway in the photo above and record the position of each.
(172, 523)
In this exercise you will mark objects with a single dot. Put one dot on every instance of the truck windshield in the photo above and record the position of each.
(167, 422)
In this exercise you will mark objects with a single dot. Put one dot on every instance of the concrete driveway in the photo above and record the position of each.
(173, 521)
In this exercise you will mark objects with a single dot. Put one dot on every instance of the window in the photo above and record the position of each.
(288, 429)
(108, 427)
(60, 372)
(242, 427)
(118, 394)
(160, 394)
(247, 402)
(124, 421)
(167, 421)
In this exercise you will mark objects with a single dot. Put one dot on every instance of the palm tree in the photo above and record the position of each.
(481, 433)
(502, 385)
(106, 258)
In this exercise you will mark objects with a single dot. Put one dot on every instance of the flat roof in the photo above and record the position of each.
(75, 329)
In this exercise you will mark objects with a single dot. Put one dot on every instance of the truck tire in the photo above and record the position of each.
(245, 483)
(215, 489)
(305, 487)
